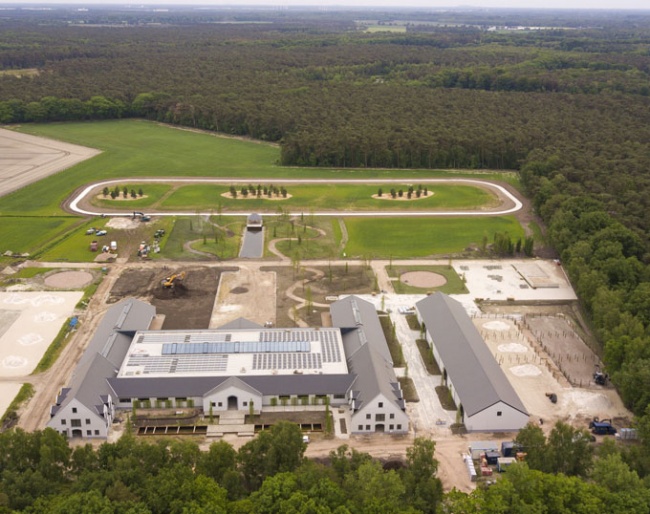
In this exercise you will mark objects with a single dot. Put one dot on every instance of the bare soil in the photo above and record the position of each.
(69, 280)
(186, 306)
(423, 279)
(321, 283)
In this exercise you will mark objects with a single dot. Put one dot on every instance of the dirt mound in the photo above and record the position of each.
(188, 305)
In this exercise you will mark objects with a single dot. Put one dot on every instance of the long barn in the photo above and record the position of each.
(484, 396)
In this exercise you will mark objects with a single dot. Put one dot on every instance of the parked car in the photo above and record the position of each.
(101, 233)
(90, 231)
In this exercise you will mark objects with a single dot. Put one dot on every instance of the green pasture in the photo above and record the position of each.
(328, 197)
(33, 219)
(137, 148)
(27, 235)
(422, 237)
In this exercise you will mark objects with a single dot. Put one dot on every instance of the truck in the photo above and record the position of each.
(602, 427)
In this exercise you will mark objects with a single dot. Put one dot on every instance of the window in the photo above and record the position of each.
(96, 432)
(498, 413)
(75, 422)
(245, 404)
(367, 427)
(63, 421)
(220, 404)
(399, 427)
(391, 427)
(392, 416)
(381, 404)
(380, 417)
(87, 421)
(74, 410)
(213, 404)
(89, 432)
(339, 396)
(368, 416)
(360, 427)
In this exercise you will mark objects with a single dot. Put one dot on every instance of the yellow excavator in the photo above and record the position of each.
(170, 282)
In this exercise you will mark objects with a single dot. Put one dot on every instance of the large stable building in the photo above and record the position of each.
(484, 396)
(240, 366)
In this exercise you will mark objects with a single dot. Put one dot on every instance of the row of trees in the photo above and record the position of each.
(39, 472)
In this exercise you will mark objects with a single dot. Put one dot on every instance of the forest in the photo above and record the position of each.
(41, 473)
(567, 105)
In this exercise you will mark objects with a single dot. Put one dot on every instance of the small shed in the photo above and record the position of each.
(254, 221)
(508, 448)
(492, 458)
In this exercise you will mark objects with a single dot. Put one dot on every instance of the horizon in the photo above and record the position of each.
(547, 5)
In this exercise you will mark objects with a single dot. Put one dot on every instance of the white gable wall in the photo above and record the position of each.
(219, 399)
(498, 418)
(77, 420)
(376, 414)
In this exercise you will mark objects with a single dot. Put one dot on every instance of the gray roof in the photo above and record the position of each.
(240, 323)
(351, 313)
(476, 375)
(106, 351)
(170, 387)
(367, 352)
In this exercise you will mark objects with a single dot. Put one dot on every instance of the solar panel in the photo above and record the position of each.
(287, 361)
(235, 347)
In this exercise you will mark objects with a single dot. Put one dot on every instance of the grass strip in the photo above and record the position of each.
(427, 357)
(11, 414)
(54, 350)
(393, 344)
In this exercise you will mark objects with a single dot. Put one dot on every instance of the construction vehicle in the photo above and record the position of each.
(602, 427)
(600, 378)
(143, 217)
(170, 282)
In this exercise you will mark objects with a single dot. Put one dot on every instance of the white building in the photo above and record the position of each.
(482, 392)
(240, 366)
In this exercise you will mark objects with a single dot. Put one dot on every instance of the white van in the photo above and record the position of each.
(113, 246)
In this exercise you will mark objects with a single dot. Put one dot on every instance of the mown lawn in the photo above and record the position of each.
(329, 197)
(422, 237)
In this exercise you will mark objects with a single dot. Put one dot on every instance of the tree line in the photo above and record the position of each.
(41, 473)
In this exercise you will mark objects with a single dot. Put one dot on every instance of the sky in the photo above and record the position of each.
(548, 4)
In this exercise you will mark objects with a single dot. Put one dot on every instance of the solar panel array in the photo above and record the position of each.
(280, 336)
(234, 347)
(172, 337)
(287, 361)
(181, 364)
(330, 347)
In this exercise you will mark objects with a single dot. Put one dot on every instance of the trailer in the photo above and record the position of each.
(478, 448)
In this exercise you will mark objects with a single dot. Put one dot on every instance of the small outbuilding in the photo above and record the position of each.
(254, 221)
